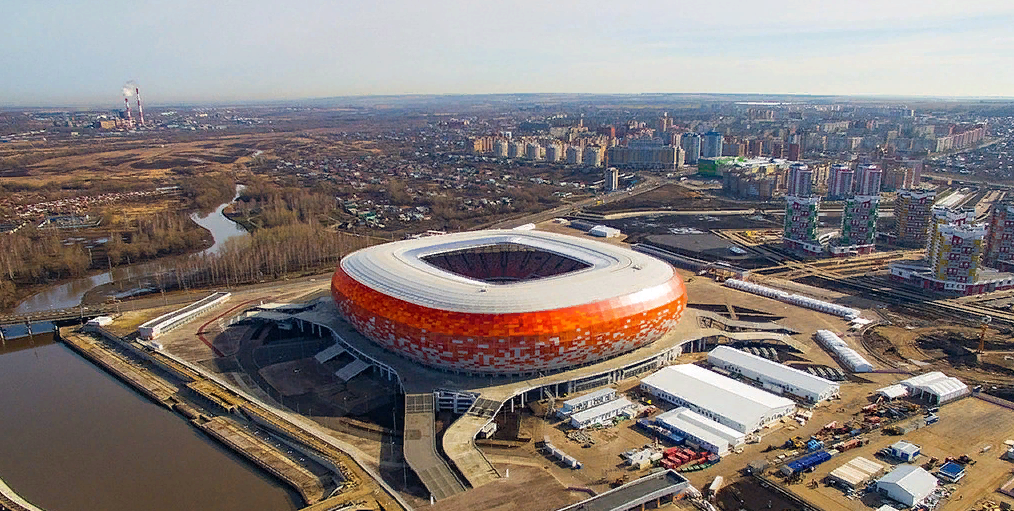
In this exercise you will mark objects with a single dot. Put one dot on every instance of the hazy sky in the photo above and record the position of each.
(59, 52)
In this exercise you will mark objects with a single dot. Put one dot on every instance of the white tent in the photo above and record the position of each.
(938, 386)
(892, 392)
(907, 484)
(856, 472)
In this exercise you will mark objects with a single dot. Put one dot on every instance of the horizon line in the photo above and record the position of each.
(268, 102)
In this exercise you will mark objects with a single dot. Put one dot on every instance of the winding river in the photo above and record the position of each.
(69, 294)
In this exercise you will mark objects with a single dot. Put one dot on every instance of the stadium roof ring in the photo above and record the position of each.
(503, 301)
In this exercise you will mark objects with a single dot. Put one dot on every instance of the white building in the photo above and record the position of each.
(700, 430)
(741, 407)
(577, 404)
(937, 387)
(856, 472)
(905, 451)
(601, 413)
(907, 484)
(772, 375)
(603, 231)
(848, 357)
(892, 392)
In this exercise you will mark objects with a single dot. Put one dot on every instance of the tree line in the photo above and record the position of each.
(31, 257)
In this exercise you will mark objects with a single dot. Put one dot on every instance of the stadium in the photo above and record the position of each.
(507, 301)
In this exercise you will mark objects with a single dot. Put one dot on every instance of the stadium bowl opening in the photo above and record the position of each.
(502, 301)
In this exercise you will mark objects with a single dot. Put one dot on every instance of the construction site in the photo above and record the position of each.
(853, 385)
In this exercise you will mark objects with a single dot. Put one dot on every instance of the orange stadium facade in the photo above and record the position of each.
(517, 302)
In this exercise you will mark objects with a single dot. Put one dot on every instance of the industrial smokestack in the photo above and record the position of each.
(127, 102)
(140, 111)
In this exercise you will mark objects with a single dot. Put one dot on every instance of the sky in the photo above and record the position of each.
(80, 53)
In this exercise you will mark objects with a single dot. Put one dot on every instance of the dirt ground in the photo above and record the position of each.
(946, 348)
(528, 488)
(143, 159)
(671, 196)
(295, 377)
(965, 427)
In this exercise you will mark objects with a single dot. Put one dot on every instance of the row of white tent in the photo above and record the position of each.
(846, 355)
(794, 299)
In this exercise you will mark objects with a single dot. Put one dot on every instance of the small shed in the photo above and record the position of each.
(905, 451)
(951, 471)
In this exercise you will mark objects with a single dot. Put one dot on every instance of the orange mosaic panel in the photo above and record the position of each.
(515, 342)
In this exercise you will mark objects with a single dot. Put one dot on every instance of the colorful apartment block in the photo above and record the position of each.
(912, 215)
(801, 220)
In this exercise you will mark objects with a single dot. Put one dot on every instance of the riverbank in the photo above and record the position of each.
(128, 364)
(25, 294)
(216, 229)
(320, 473)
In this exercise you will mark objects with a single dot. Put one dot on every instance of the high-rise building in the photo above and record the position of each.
(800, 180)
(754, 149)
(858, 226)
(691, 143)
(646, 155)
(664, 123)
(777, 149)
(533, 151)
(592, 156)
(794, 152)
(941, 216)
(553, 153)
(500, 148)
(711, 145)
(479, 145)
(801, 221)
(912, 210)
(868, 178)
(574, 155)
(609, 131)
(612, 179)
(515, 149)
(1000, 237)
(676, 139)
(915, 176)
(842, 177)
(957, 253)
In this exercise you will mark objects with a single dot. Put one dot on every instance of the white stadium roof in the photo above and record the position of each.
(720, 395)
(398, 270)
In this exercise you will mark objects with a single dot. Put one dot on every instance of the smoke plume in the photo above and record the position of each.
(128, 89)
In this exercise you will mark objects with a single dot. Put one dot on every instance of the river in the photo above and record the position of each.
(76, 438)
(69, 294)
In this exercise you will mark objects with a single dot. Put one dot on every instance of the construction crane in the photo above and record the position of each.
(983, 324)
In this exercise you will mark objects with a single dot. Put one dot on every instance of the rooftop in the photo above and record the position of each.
(697, 425)
(400, 269)
(721, 395)
(771, 369)
(912, 480)
(602, 409)
(634, 493)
